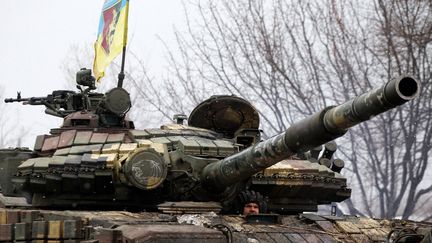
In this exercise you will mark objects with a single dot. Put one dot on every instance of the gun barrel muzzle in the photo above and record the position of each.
(364, 107)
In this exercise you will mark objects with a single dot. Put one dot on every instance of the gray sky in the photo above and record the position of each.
(37, 35)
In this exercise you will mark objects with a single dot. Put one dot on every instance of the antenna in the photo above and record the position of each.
(121, 75)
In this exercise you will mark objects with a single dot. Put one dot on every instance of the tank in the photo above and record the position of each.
(182, 182)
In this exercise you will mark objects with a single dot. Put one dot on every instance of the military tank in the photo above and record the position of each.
(97, 160)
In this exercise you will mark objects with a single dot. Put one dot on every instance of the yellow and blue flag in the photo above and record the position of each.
(112, 34)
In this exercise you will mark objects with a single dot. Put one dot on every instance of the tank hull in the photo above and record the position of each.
(120, 226)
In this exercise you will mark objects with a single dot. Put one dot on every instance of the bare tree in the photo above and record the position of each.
(293, 58)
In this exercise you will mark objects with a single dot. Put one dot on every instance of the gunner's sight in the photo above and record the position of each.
(84, 78)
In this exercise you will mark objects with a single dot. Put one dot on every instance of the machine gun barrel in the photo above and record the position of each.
(321, 127)
(30, 101)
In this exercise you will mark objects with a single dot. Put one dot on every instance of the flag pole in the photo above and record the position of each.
(121, 75)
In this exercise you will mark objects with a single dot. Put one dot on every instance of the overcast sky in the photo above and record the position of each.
(36, 37)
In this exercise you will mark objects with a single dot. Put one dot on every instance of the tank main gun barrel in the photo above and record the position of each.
(315, 130)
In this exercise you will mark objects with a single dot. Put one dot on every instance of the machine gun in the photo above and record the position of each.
(59, 103)
(62, 103)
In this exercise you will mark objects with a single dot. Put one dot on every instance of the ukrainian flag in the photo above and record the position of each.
(112, 34)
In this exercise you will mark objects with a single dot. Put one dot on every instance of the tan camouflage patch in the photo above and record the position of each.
(154, 132)
(158, 147)
(55, 229)
(3, 216)
(109, 159)
(138, 134)
(145, 143)
(160, 140)
(368, 223)
(189, 147)
(225, 148)
(82, 149)
(173, 126)
(348, 227)
(127, 147)
(111, 148)
(207, 147)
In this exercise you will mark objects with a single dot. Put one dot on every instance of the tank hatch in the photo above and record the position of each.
(225, 114)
